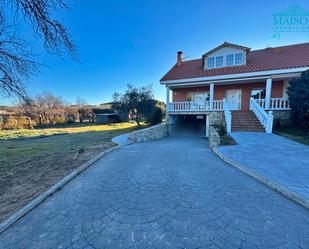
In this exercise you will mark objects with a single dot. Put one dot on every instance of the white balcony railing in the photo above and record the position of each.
(279, 104)
(275, 104)
(191, 106)
(265, 118)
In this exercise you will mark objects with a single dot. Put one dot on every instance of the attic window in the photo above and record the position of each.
(230, 59)
(219, 61)
(239, 59)
(211, 62)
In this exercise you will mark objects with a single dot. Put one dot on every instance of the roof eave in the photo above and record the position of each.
(268, 73)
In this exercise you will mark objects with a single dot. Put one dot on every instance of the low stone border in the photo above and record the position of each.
(148, 134)
(43, 196)
(268, 182)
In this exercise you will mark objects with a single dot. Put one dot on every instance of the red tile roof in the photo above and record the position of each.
(291, 56)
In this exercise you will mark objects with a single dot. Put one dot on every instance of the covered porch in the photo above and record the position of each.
(270, 94)
(260, 96)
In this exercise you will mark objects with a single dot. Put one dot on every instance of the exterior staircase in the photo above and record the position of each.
(245, 121)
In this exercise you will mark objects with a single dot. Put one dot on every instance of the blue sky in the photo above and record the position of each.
(136, 41)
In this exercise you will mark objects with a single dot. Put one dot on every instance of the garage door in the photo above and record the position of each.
(189, 125)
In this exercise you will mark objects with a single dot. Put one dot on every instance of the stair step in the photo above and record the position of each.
(249, 130)
(245, 121)
(251, 124)
(256, 123)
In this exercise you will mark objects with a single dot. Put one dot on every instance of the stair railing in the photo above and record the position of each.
(228, 116)
(266, 119)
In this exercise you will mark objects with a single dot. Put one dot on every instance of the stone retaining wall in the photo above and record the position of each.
(214, 137)
(151, 133)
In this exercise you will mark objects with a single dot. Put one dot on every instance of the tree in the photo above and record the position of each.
(16, 61)
(136, 101)
(45, 109)
(157, 112)
(298, 92)
(84, 111)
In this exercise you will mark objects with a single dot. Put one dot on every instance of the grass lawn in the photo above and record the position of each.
(33, 160)
(294, 134)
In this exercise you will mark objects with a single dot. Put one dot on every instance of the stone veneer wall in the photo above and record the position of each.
(216, 118)
(214, 138)
(151, 133)
(282, 118)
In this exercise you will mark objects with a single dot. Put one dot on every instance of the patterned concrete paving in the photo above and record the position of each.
(170, 193)
(277, 158)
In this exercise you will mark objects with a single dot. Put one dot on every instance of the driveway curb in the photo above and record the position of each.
(43, 196)
(273, 185)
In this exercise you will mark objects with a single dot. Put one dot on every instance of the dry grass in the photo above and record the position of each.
(66, 129)
(33, 160)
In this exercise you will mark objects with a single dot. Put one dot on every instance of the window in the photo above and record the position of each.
(258, 93)
(210, 62)
(229, 59)
(219, 61)
(199, 97)
(238, 59)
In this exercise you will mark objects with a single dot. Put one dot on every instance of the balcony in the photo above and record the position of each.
(275, 104)
(191, 106)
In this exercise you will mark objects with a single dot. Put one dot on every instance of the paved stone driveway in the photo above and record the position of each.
(277, 158)
(170, 193)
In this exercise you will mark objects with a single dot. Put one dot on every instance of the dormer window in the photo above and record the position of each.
(211, 62)
(219, 61)
(225, 55)
(230, 60)
(239, 59)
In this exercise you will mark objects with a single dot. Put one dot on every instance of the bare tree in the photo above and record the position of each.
(16, 62)
(50, 106)
(84, 110)
(46, 108)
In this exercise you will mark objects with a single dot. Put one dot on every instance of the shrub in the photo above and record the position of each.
(298, 92)
(24, 122)
(156, 112)
(70, 118)
(20, 122)
(156, 116)
(221, 129)
(59, 120)
(10, 123)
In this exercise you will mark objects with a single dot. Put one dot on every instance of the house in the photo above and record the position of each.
(243, 89)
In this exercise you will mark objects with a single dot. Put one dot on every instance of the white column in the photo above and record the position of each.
(270, 121)
(268, 93)
(211, 95)
(207, 125)
(167, 98)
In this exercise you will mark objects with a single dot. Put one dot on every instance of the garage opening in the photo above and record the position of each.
(188, 125)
